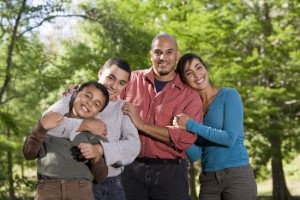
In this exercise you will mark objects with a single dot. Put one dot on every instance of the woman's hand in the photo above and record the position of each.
(180, 121)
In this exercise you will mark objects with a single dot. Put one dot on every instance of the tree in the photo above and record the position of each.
(22, 63)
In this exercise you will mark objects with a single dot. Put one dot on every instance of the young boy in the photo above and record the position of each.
(62, 173)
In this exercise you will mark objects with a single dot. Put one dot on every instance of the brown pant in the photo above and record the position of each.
(64, 190)
(228, 184)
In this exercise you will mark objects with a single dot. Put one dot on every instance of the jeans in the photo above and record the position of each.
(165, 181)
(109, 189)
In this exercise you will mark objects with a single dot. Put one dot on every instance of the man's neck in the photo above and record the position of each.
(165, 78)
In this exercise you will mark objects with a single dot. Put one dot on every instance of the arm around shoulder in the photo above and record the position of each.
(126, 149)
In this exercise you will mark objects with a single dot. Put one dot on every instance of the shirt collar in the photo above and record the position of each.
(176, 82)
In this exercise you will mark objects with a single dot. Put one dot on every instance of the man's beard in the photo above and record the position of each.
(164, 73)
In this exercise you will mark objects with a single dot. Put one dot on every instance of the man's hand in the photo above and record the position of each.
(180, 121)
(94, 126)
(51, 120)
(132, 111)
(91, 152)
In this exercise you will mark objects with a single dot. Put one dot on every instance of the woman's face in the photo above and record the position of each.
(88, 102)
(196, 74)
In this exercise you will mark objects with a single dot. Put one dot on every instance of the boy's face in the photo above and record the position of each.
(88, 102)
(114, 79)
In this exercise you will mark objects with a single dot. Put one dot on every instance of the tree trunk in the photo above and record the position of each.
(10, 170)
(192, 174)
(280, 190)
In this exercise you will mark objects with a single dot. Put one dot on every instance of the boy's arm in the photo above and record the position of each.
(71, 126)
(34, 142)
(61, 106)
(99, 170)
(67, 129)
(94, 153)
(124, 151)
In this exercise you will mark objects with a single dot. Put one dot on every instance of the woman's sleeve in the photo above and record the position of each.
(232, 124)
(194, 152)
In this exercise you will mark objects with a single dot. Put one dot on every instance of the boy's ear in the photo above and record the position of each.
(99, 73)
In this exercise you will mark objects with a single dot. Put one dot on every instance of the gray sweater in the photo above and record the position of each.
(123, 144)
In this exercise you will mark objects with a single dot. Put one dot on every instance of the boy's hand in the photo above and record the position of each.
(70, 89)
(91, 152)
(51, 120)
(94, 126)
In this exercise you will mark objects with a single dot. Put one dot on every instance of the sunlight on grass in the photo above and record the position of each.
(292, 176)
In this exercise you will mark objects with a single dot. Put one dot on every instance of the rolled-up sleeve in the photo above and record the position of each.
(183, 139)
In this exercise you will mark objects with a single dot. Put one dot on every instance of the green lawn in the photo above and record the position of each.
(292, 175)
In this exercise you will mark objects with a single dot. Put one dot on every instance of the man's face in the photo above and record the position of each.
(114, 79)
(164, 54)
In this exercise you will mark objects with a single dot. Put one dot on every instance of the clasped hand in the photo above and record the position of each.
(180, 121)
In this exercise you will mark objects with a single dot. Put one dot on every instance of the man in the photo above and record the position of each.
(155, 97)
(123, 142)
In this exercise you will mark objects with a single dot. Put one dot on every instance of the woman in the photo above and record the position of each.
(226, 172)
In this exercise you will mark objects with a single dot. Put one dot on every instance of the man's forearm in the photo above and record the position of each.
(160, 133)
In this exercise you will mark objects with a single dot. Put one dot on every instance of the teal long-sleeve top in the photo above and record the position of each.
(220, 142)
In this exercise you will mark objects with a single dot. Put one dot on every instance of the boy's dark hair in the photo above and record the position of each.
(86, 84)
(121, 63)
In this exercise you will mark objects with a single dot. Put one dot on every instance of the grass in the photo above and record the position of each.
(292, 177)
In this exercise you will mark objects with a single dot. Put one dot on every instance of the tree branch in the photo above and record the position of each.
(49, 18)
(10, 52)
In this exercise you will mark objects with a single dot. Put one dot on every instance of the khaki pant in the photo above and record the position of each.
(237, 183)
(74, 189)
